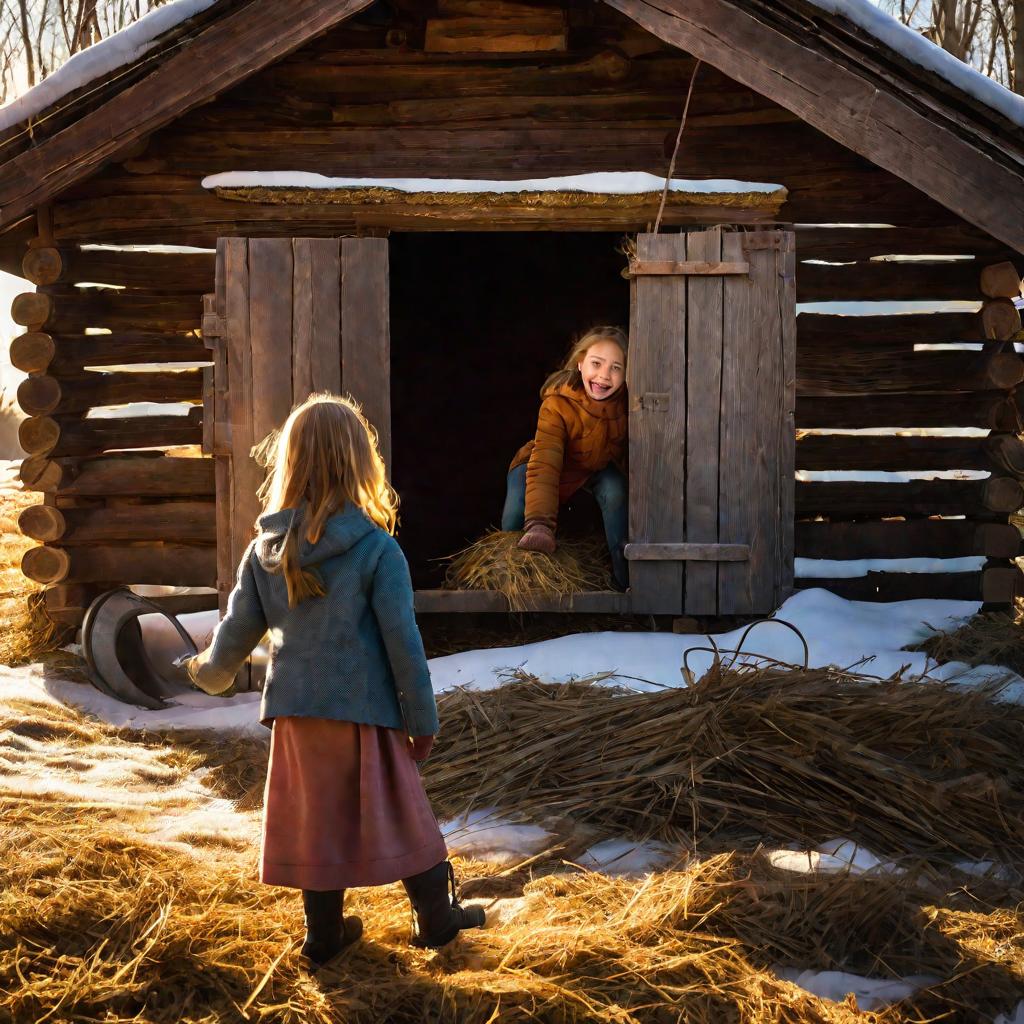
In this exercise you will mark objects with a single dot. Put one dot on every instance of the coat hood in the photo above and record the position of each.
(342, 531)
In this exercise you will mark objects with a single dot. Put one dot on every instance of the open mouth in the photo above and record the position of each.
(600, 390)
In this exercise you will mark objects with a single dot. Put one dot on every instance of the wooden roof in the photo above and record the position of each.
(837, 78)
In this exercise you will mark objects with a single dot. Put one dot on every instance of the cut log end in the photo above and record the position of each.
(39, 395)
(43, 266)
(1000, 319)
(33, 351)
(43, 523)
(1003, 494)
(38, 435)
(31, 309)
(1000, 280)
(38, 473)
(46, 565)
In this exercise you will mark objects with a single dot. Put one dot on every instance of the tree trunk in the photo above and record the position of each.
(1018, 46)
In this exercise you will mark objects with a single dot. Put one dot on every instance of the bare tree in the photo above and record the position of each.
(37, 36)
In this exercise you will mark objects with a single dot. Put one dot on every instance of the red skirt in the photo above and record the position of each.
(344, 807)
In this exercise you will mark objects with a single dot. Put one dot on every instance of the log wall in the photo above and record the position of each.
(362, 101)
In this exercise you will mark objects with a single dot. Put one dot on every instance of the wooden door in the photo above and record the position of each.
(290, 316)
(711, 374)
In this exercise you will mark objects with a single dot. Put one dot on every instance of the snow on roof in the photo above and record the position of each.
(603, 183)
(116, 51)
(926, 54)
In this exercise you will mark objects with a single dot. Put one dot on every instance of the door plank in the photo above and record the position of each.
(703, 388)
(316, 317)
(270, 331)
(787, 424)
(737, 475)
(365, 332)
(657, 431)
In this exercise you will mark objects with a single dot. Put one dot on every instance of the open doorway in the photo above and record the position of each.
(478, 320)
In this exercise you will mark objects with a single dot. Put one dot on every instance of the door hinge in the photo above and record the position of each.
(651, 401)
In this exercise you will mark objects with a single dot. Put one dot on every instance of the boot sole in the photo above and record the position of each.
(472, 917)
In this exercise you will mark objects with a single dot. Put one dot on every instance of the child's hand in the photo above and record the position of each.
(538, 537)
(419, 747)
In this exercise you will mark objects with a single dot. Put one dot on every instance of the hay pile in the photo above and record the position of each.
(990, 638)
(745, 756)
(98, 926)
(100, 921)
(494, 562)
(26, 632)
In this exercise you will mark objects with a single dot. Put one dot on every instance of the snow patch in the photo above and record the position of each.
(601, 183)
(871, 993)
(926, 54)
(486, 834)
(116, 51)
(628, 858)
(827, 568)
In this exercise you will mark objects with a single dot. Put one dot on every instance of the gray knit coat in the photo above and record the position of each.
(354, 654)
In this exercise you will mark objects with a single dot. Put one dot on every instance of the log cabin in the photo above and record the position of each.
(419, 202)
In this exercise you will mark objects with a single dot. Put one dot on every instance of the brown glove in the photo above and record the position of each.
(538, 537)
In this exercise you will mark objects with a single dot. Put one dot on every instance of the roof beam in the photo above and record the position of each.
(221, 56)
(843, 105)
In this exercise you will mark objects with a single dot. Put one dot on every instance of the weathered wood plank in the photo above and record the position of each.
(365, 333)
(138, 475)
(448, 601)
(244, 475)
(921, 538)
(990, 410)
(687, 552)
(316, 317)
(787, 421)
(890, 452)
(996, 585)
(847, 499)
(703, 414)
(832, 330)
(657, 434)
(270, 331)
(875, 281)
(843, 244)
(73, 435)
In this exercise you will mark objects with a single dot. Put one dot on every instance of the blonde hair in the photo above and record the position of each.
(324, 457)
(570, 371)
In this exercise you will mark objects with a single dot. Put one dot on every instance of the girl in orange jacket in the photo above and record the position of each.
(580, 442)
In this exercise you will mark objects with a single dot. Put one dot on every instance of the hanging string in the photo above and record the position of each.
(675, 151)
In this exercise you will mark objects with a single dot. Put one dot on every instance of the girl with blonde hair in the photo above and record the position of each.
(580, 443)
(347, 693)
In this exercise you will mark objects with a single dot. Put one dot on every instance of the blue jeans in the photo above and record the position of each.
(609, 489)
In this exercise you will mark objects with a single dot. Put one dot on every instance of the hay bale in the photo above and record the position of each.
(26, 631)
(496, 563)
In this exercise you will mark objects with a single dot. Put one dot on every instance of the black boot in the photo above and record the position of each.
(439, 917)
(327, 933)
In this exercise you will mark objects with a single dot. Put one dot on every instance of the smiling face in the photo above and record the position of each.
(603, 369)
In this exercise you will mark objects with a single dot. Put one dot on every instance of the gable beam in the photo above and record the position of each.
(844, 106)
(220, 57)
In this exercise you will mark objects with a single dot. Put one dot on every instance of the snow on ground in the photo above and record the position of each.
(838, 632)
(598, 182)
(120, 49)
(926, 54)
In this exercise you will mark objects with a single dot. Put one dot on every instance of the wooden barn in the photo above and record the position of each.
(769, 426)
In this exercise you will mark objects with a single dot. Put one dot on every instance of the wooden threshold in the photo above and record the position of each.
(594, 602)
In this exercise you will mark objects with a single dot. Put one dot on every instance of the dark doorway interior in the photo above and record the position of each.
(477, 322)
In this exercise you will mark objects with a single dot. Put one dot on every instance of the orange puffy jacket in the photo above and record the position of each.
(576, 437)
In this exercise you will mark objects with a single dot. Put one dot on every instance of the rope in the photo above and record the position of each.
(675, 151)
